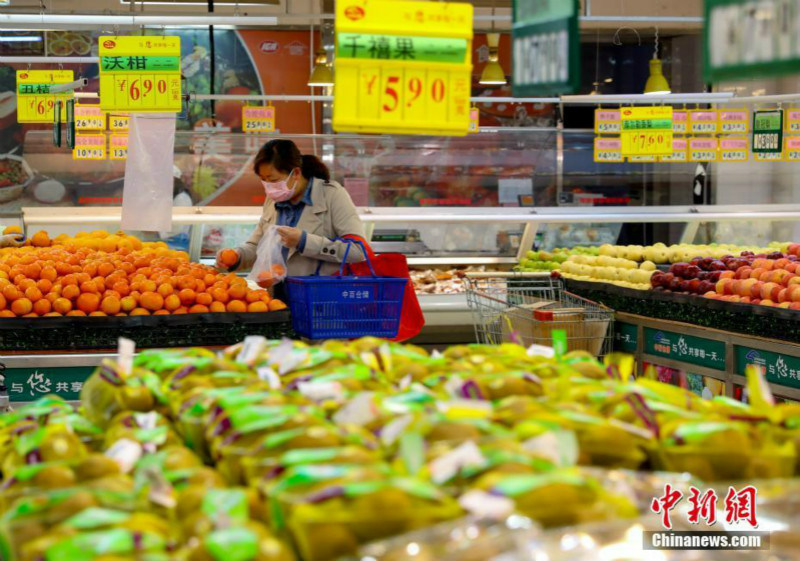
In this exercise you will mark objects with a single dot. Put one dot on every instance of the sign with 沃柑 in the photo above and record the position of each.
(734, 149)
(768, 132)
(403, 67)
(778, 369)
(35, 103)
(89, 118)
(30, 384)
(792, 150)
(679, 120)
(750, 38)
(258, 119)
(703, 149)
(118, 147)
(607, 150)
(685, 348)
(545, 47)
(703, 122)
(646, 131)
(118, 122)
(732, 121)
(140, 74)
(89, 147)
(679, 151)
(607, 121)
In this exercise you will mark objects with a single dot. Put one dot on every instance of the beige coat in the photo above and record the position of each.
(331, 215)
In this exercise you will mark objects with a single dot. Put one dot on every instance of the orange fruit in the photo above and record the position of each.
(203, 299)
(265, 279)
(82, 278)
(112, 294)
(88, 302)
(228, 257)
(69, 280)
(216, 307)
(70, 291)
(236, 306)
(220, 295)
(76, 313)
(172, 302)
(127, 304)
(139, 312)
(257, 307)
(11, 293)
(165, 289)
(49, 273)
(278, 270)
(238, 291)
(7, 314)
(97, 314)
(198, 309)
(180, 311)
(148, 286)
(276, 305)
(2, 302)
(253, 296)
(52, 315)
(33, 294)
(40, 239)
(44, 285)
(89, 287)
(161, 313)
(185, 282)
(209, 279)
(62, 305)
(200, 286)
(90, 269)
(110, 305)
(100, 283)
(12, 230)
(105, 269)
(25, 284)
(42, 307)
(21, 306)
(152, 301)
(52, 296)
(187, 296)
(121, 288)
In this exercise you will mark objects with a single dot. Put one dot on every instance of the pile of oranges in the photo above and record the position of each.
(100, 274)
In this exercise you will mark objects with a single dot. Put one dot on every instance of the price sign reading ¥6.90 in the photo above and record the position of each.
(89, 147)
(35, 103)
(607, 121)
(734, 121)
(607, 150)
(141, 73)
(402, 67)
(89, 118)
(792, 149)
(118, 147)
(646, 131)
(258, 119)
(679, 152)
(734, 149)
(703, 149)
(118, 122)
(679, 120)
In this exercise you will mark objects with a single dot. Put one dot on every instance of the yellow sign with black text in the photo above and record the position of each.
(35, 103)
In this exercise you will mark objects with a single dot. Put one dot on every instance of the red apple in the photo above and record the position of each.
(787, 277)
(766, 290)
(757, 272)
(727, 274)
(755, 290)
(793, 249)
(710, 294)
(794, 306)
(743, 272)
(755, 301)
(781, 263)
(776, 292)
(791, 267)
(783, 295)
(784, 305)
(745, 299)
(794, 292)
(724, 286)
(767, 303)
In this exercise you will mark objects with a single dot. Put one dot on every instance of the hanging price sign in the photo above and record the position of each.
(89, 118)
(118, 122)
(768, 135)
(703, 149)
(607, 121)
(679, 152)
(35, 103)
(793, 120)
(792, 149)
(734, 121)
(646, 131)
(118, 147)
(679, 120)
(734, 149)
(258, 119)
(141, 73)
(607, 150)
(402, 67)
(89, 147)
(703, 122)
(474, 120)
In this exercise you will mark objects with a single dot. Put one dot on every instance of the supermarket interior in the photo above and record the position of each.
(399, 280)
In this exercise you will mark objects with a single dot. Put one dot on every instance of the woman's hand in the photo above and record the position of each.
(11, 240)
(290, 237)
(228, 259)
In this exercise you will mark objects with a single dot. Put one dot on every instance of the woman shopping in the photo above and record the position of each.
(309, 210)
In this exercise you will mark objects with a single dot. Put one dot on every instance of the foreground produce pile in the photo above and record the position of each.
(276, 450)
(102, 274)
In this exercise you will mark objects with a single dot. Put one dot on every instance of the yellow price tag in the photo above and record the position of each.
(768, 156)
(733, 121)
(89, 147)
(679, 152)
(793, 120)
(792, 148)
(607, 121)
(118, 147)
(118, 122)
(679, 120)
(474, 120)
(703, 122)
(646, 131)
(258, 119)
(607, 150)
(141, 73)
(641, 159)
(89, 118)
(703, 149)
(734, 149)
(34, 102)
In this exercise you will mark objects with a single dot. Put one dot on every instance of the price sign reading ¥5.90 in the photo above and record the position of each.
(402, 67)
(679, 151)
(703, 149)
(118, 147)
(35, 103)
(140, 73)
(646, 131)
(792, 149)
(258, 119)
(118, 122)
(607, 121)
(734, 149)
(89, 118)
(607, 150)
(89, 147)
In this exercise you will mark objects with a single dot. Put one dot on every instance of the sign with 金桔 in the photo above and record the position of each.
(679, 151)
(733, 121)
(607, 150)
(258, 119)
(703, 149)
(607, 121)
(89, 118)
(140, 73)
(118, 122)
(118, 147)
(545, 47)
(768, 132)
(403, 67)
(89, 147)
(646, 131)
(703, 122)
(734, 149)
(679, 120)
(792, 148)
(35, 103)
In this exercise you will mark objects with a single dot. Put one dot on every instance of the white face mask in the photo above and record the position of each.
(279, 191)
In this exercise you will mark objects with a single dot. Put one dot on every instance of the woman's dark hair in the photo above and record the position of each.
(284, 156)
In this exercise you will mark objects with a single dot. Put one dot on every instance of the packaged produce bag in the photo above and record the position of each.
(270, 266)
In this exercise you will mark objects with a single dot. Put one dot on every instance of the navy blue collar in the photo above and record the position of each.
(306, 200)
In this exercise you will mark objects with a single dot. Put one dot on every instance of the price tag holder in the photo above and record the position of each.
(607, 150)
(734, 121)
(641, 159)
(734, 149)
(679, 122)
(646, 131)
(389, 79)
(792, 149)
(768, 156)
(89, 147)
(607, 121)
(258, 119)
(474, 120)
(793, 120)
(119, 122)
(140, 74)
(703, 122)
(768, 135)
(89, 118)
(679, 152)
(35, 103)
(703, 149)
(118, 147)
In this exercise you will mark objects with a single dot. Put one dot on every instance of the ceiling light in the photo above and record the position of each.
(493, 74)
(20, 39)
(321, 74)
(92, 21)
(656, 83)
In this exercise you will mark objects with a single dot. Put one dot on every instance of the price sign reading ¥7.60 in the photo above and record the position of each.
(118, 147)
(118, 122)
(89, 118)
(258, 119)
(402, 67)
(140, 73)
(646, 131)
(607, 150)
(35, 103)
(89, 147)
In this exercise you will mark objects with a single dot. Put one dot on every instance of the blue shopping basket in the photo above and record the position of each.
(346, 307)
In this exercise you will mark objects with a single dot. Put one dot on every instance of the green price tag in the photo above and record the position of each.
(560, 342)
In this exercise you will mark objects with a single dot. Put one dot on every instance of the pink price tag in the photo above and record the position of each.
(733, 144)
(119, 141)
(259, 112)
(704, 116)
(89, 141)
(608, 144)
(678, 144)
(703, 144)
(793, 115)
(88, 111)
(793, 143)
(733, 116)
(607, 115)
(679, 116)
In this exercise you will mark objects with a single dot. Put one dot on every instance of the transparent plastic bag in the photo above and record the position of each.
(270, 266)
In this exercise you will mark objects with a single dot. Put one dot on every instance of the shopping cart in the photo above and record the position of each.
(526, 308)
